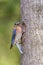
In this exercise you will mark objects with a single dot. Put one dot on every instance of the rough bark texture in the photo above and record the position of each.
(32, 15)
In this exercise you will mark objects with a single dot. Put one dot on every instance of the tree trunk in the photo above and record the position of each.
(32, 15)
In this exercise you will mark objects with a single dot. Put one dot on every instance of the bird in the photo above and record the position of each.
(16, 37)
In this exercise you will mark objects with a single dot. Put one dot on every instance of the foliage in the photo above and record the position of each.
(9, 10)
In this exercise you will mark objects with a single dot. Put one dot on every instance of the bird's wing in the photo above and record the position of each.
(13, 36)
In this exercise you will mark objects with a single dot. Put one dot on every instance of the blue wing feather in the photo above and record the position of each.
(13, 36)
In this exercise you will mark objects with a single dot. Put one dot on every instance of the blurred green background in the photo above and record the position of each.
(9, 13)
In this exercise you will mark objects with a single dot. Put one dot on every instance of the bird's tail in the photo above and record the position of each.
(11, 46)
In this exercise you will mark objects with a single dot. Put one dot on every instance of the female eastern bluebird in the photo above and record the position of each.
(16, 38)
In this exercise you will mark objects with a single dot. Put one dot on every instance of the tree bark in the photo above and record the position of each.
(32, 15)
